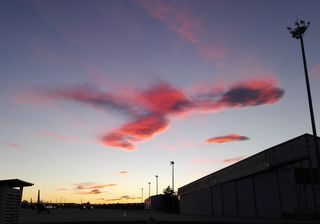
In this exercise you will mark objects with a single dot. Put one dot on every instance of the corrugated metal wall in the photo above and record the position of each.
(271, 194)
(263, 186)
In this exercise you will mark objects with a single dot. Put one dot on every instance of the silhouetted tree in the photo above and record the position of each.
(169, 191)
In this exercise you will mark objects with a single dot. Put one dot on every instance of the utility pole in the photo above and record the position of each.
(149, 188)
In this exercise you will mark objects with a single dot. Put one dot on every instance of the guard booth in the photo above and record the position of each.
(10, 199)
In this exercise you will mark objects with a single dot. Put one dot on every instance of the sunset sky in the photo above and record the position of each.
(97, 97)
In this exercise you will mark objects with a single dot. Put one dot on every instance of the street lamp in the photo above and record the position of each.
(172, 165)
(297, 33)
(149, 188)
(142, 194)
(156, 184)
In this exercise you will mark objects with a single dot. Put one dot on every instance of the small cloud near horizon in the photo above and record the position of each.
(61, 189)
(90, 185)
(94, 191)
(122, 173)
(234, 160)
(124, 197)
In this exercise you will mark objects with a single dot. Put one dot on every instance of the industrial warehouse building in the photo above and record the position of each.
(280, 182)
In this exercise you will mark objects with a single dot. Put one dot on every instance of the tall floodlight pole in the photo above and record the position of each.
(156, 184)
(149, 188)
(172, 165)
(38, 201)
(297, 33)
(142, 195)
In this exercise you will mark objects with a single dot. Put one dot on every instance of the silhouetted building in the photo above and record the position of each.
(10, 199)
(162, 202)
(280, 182)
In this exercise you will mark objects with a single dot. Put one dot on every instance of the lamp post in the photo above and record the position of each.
(156, 184)
(149, 188)
(297, 33)
(172, 165)
(142, 194)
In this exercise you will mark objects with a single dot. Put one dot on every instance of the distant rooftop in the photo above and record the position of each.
(14, 183)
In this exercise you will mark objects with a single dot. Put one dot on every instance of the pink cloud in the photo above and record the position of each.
(252, 93)
(32, 98)
(315, 72)
(241, 94)
(151, 110)
(164, 99)
(206, 161)
(12, 145)
(178, 20)
(227, 138)
(143, 128)
(234, 160)
(212, 52)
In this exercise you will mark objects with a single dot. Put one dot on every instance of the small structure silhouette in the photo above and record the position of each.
(10, 198)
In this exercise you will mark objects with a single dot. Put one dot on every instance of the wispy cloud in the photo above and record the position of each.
(12, 145)
(122, 198)
(227, 138)
(210, 51)
(206, 161)
(234, 160)
(178, 20)
(91, 188)
(315, 71)
(89, 185)
(94, 191)
(122, 173)
(62, 189)
(93, 97)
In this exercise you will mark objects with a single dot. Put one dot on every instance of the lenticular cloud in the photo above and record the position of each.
(227, 138)
(151, 110)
